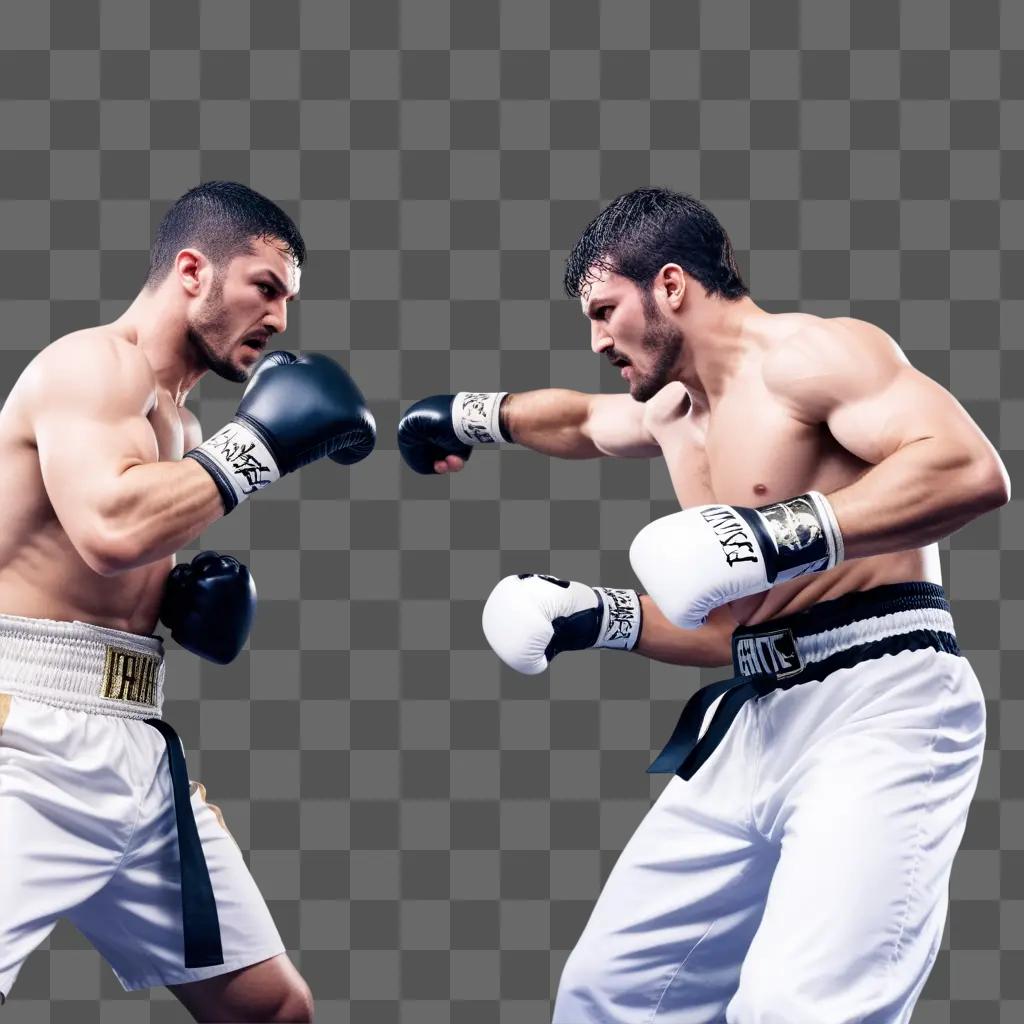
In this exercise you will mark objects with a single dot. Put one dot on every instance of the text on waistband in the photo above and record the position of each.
(772, 653)
(130, 676)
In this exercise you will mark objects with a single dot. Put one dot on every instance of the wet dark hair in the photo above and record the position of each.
(220, 219)
(641, 231)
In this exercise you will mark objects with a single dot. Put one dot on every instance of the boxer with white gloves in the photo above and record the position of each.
(106, 477)
(795, 868)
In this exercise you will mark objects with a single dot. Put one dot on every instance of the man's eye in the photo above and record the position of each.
(266, 289)
(604, 312)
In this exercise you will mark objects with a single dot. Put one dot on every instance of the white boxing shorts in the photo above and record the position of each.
(99, 822)
(795, 869)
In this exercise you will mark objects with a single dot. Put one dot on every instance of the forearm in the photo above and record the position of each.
(152, 511)
(550, 421)
(918, 495)
(706, 647)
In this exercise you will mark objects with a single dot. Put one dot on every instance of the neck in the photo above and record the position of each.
(159, 328)
(716, 337)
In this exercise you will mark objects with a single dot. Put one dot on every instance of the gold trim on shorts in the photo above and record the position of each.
(193, 787)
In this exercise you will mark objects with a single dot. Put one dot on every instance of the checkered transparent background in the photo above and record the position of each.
(430, 830)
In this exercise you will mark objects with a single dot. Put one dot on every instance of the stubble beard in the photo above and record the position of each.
(208, 334)
(664, 341)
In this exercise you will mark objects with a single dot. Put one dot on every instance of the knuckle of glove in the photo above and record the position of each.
(212, 564)
(179, 576)
(516, 629)
(658, 557)
(204, 559)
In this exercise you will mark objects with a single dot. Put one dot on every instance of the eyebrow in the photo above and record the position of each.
(278, 283)
(595, 304)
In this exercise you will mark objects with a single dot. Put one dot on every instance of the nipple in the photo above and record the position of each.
(760, 489)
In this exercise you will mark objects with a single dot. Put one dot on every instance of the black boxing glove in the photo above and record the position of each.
(295, 410)
(444, 425)
(209, 605)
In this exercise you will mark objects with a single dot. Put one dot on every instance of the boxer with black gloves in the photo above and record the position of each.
(106, 477)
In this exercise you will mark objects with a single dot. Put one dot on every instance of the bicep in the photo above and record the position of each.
(615, 426)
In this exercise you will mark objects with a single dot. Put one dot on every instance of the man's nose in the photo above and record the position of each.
(599, 340)
(277, 320)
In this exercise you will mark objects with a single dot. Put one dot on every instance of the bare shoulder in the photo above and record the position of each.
(96, 361)
(814, 363)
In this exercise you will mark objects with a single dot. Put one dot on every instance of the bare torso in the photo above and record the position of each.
(41, 573)
(750, 449)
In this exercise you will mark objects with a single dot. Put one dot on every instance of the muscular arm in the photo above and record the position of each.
(933, 469)
(572, 425)
(89, 397)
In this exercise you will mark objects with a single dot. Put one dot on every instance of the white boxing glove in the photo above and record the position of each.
(530, 618)
(693, 561)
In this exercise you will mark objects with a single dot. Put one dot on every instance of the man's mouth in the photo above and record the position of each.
(257, 342)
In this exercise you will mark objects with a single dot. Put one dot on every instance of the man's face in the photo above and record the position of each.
(627, 327)
(244, 305)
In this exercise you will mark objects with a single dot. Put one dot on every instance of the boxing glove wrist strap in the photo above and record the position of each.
(476, 417)
(797, 536)
(621, 618)
(239, 461)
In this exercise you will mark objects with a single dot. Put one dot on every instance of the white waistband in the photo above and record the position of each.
(820, 646)
(81, 666)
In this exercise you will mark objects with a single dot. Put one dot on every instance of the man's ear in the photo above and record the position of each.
(188, 266)
(672, 281)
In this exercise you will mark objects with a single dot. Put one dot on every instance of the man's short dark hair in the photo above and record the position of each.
(641, 231)
(220, 219)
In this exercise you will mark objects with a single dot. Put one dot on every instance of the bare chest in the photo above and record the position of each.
(747, 452)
